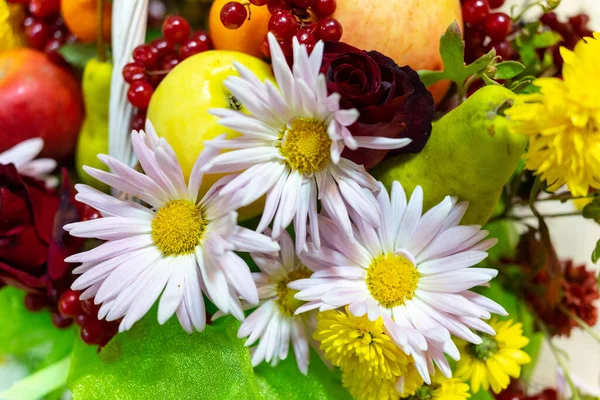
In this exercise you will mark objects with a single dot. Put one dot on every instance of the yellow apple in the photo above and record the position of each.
(179, 107)
(408, 31)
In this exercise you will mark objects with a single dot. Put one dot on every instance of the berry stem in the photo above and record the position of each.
(588, 329)
(557, 355)
(100, 46)
(247, 5)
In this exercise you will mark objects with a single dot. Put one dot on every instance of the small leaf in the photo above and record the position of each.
(77, 54)
(40, 384)
(489, 81)
(545, 39)
(592, 210)
(596, 254)
(508, 70)
(452, 50)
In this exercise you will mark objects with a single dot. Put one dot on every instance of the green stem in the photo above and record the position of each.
(556, 352)
(539, 216)
(559, 197)
(591, 331)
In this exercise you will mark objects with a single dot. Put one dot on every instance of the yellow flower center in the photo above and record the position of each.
(487, 348)
(306, 145)
(286, 301)
(178, 227)
(392, 279)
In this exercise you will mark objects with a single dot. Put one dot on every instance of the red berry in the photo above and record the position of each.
(503, 49)
(154, 79)
(579, 23)
(162, 46)
(277, 5)
(233, 15)
(138, 121)
(37, 34)
(168, 62)
(35, 302)
(90, 308)
(304, 4)
(82, 319)
(139, 94)
(283, 25)
(93, 332)
(329, 29)
(51, 50)
(44, 8)
(28, 21)
(191, 47)
(306, 38)
(259, 2)
(60, 321)
(475, 11)
(175, 29)
(497, 26)
(69, 304)
(133, 72)
(550, 19)
(145, 55)
(496, 3)
(202, 37)
(324, 8)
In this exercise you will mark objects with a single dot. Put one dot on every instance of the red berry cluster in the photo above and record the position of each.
(289, 19)
(153, 61)
(44, 28)
(85, 314)
(485, 29)
(571, 31)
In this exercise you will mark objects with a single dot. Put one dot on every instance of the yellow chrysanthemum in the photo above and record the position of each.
(496, 359)
(358, 344)
(11, 16)
(563, 122)
(441, 389)
(375, 388)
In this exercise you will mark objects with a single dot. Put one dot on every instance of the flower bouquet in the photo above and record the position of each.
(293, 199)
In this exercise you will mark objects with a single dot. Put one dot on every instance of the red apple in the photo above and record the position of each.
(38, 99)
(408, 31)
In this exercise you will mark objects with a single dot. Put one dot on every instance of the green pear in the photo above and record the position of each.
(471, 154)
(93, 137)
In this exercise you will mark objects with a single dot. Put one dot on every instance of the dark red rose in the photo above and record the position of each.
(27, 212)
(391, 100)
(33, 244)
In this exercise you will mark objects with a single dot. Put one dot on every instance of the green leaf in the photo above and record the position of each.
(452, 50)
(508, 238)
(78, 54)
(286, 382)
(489, 81)
(508, 69)
(545, 39)
(164, 362)
(592, 210)
(596, 253)
(482, 395)
(30, 337)
(39, 384)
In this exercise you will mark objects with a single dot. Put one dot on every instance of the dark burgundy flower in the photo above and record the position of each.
(27, 212)
(391, 100)
(33, 244)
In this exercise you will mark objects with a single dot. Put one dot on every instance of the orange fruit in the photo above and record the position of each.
(247, 38)
(81, 17)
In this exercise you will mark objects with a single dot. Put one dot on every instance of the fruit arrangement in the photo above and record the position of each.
(311, 199)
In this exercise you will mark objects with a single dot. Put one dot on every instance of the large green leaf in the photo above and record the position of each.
(286, 382)
(30, 337)
(164, 362)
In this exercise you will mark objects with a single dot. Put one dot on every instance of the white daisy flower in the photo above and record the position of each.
(291, 144)
(23, 157)
(274, 322)
(178, 245)
(413, 272)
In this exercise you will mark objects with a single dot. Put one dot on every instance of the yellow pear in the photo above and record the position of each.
(471, 155)
(179, 107)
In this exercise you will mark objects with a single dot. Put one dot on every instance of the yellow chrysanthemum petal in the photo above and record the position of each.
(11, 17)
(496, 360)
(563, 122)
